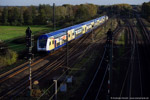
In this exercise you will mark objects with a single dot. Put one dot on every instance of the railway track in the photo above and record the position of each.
(49, 67)
(146, 33)
(133, 85)
(134, 71)
(95, 90)
(144, 48)
(135, 82)
(56, 63)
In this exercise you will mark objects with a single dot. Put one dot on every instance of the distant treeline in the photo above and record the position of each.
(146, 10)
(64, 15)
(122, 9)
(43, 14)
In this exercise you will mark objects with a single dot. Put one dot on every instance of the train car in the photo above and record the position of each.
(57, 39)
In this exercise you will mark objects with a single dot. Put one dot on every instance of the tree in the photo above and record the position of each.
(146, 10)
(61, 13)
(69, 11)
(82, 12)
(28, 17)
(92, 9)
(5, 16)
(21, 19)
(34, 13)
(16, 15)
(122, 9)
(45, 14)
(1, 11)
(42, 17)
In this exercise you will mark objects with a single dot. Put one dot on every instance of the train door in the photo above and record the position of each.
(69, 35)
(60, 40)
(73, 34)
(84, 29)
(51, 44)
(55, 44)
(63, 39)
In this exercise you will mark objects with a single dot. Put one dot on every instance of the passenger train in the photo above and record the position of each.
(57, 39)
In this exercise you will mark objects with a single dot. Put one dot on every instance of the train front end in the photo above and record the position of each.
(42, 43)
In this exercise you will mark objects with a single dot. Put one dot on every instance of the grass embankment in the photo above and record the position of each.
(106, 27)
(121, 38)
(14, 36)
(120, 43)
(11, 32)
(12, 39)
(146, 23)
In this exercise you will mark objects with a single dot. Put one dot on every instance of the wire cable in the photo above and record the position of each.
(101, 83)
(94, 75)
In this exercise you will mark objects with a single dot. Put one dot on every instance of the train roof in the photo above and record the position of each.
(59, 32)
(64, 30)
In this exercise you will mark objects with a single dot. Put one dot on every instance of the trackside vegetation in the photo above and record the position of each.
(15, 20)
(146, 10)
(7, 56)
(43, 14)
(8, 33)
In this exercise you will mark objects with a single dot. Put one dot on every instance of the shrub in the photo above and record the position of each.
(8, 59)
(3, 48)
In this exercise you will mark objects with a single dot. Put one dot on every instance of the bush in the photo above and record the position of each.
(3, 48)
(8, 59)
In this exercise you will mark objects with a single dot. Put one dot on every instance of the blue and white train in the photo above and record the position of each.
(57, 39)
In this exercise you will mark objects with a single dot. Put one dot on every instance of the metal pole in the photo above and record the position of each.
(67, 52)
(112, 16)
(55, 82)
(30, 76)
(29, 46)
(54, 16)
(110, 48)
(108, 96)
(111, 54)
(92, 35)
(105, 25)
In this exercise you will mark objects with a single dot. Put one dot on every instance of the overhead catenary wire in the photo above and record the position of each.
(122, 56)
(139, 68)
(101, 83)
(130, 64)
(62, 75)
(95, 75)
(63, 80)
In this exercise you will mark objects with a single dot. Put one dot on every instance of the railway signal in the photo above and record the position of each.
(28, 37)
(29, 43)
(54, 16)
(110, 50)
(29, 47)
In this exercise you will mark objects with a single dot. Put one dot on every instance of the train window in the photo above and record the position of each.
(49, 43)
(69, 35)
(58, 43)
(52, 42)
(42, 43)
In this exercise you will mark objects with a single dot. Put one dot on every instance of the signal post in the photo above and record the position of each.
(29, 55)
(110, 53)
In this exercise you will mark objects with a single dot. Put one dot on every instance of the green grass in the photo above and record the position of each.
(16, 47)
(8, 33)
(14, 36)
(121, 40)
(107, 27)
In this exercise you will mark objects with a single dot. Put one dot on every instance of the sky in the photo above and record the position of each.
(61, 2)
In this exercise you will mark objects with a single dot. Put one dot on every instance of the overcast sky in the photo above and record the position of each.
(60, 2)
